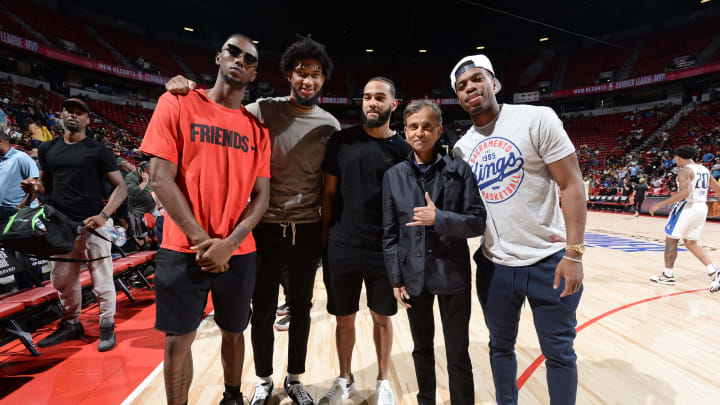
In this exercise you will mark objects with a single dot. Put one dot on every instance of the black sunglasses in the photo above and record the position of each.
(248, 58)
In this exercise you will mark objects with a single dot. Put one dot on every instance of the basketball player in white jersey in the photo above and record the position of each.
(688, 215)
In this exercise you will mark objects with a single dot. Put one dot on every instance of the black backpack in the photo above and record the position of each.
(43, 232)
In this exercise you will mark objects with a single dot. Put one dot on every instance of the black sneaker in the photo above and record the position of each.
(107, 337)
(65, 331)
(230, 399)
(297, 392)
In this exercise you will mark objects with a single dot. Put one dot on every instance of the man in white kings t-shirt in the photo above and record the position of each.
(519, 155)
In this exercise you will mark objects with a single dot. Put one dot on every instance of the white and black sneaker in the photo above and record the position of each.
(296, 391)
(663, 279)
(341, 390)
(283, 324)
(283, 310)
(263, 392)
(715, 283)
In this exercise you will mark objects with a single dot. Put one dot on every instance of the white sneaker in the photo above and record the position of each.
(341, 390)
(384, 394)
(663, 279)
(263, 392)
(715, 284)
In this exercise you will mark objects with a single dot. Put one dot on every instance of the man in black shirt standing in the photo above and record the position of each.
(640, 191)
(355, 162)
(72, 169)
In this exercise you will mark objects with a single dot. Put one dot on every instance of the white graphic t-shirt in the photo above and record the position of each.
(509, 158)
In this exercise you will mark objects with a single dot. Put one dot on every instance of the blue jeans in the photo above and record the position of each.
(502, 291)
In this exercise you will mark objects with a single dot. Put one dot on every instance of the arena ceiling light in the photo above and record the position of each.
(255, 41)
(188, 29)
(704, 1)
(543, 39)
(480, 48)
(422, 50)
(369, 50)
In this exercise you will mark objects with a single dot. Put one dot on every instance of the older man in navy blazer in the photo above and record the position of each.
(431, 205)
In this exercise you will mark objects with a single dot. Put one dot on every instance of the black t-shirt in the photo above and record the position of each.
(78, 170)
(359, 161)
(640, 190)
(627, 189)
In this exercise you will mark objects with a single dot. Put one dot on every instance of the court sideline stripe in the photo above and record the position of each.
(140, 388)
(538, 361)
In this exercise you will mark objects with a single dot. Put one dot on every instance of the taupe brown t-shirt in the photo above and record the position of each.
(298, 141)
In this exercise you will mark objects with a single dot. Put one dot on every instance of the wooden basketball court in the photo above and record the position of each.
(638, 342)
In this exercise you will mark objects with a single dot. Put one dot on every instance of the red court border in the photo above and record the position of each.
(538, 361)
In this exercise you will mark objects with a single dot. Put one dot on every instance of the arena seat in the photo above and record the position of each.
(8, 310)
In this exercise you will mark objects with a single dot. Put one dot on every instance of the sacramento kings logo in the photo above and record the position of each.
(498, 168)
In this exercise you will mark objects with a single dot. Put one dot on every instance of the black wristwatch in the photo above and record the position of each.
(104, 215)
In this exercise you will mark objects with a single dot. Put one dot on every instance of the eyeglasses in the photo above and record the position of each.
(248, 58)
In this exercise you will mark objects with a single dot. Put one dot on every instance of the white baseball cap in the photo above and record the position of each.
(467, 63)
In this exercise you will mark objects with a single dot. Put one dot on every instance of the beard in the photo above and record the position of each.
(382, 118)
(306, 101)
(72, 127)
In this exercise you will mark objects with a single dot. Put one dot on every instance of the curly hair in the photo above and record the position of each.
(686, 152)
(304, 48)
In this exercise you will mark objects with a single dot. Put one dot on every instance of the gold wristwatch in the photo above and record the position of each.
(578, 248)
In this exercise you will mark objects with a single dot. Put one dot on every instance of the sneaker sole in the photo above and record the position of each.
(281, 328)
(662, 282)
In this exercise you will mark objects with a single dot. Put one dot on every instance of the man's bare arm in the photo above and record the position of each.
(567, 175)
(163, 180)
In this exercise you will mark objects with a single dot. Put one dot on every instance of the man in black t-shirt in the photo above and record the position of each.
(640, 191)
(355, 161)
(72, 168)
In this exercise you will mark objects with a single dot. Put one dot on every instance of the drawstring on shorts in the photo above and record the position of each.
(292, 228)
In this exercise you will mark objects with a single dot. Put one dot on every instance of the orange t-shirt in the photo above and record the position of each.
(219, 152)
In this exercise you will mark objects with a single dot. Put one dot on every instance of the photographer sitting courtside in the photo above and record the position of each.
(72, 168)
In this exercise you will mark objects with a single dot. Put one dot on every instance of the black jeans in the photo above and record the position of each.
(638, 203)
(455, 316)
(296, 248)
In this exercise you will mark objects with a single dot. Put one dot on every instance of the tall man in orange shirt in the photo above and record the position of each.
(210, 156)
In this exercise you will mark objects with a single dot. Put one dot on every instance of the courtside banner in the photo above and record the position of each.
(440, 101)
(37, 48)
(334, 100)
(639, 81)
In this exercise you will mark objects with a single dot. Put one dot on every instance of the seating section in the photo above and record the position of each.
(56, 26)
(612, 135)
(584, 65)
(134, 46)
(133, 119)
(201, 61)
(8, 24)
(661, 48)
(704, 118)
